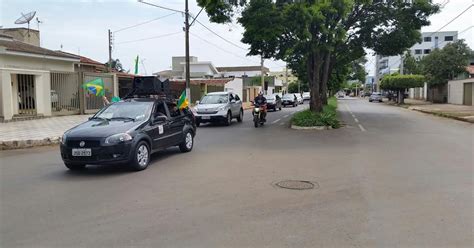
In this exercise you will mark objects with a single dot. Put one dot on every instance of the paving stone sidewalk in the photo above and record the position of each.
(30, 133)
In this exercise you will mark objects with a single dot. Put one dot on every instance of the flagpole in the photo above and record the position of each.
(188, 75)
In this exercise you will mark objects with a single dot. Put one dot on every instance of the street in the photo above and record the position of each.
(390, 177)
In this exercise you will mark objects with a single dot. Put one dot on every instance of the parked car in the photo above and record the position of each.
(376, 96)
(299, 98)
(128, 132)
(219, 107)
(340, 94)
(273, 102)
(306, 96)
(289, 99)
(367, 93)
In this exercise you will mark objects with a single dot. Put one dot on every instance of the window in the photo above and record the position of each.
(417, 51)
(174, 111)
(448, 38)
(427, 51)
(427, 39)
(160, 110)
(237, 98)
(231, 97)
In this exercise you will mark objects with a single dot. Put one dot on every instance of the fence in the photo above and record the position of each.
(65, 93)
(26, 94)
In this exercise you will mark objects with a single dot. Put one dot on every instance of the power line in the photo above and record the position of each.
(143, 23)
(230, 42)
(452, 20)
(150, 38)
(465, 30)
(222, 49)
(161, 7)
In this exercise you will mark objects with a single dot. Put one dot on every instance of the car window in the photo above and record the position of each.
(134, 110)
(215, 99)
(174, 111)
(231, 97)
(160, 110)
(237, 98)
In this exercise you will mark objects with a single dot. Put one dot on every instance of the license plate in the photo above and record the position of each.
(206, 117)
(82, 152)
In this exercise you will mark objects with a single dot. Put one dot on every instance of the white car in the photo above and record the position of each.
(219, 107)
(299, 98)
(306, 96)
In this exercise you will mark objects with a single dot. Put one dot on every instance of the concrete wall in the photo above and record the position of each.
(30, 36)
(235, 86)
(32, 63)
(240, 74)
(456, 90)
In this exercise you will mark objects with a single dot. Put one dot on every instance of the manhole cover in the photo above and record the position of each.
(295, 184)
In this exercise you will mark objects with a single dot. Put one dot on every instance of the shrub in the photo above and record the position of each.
(327, 117)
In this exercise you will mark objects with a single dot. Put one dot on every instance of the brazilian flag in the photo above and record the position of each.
(95, 87)
(183, 101)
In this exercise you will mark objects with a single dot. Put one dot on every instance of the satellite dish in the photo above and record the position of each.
(25, 18)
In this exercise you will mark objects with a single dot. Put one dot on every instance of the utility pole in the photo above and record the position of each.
(262, 76)
(110, 51)
(188, 73)
(286, 75)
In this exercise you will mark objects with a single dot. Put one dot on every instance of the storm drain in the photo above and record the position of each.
(295, 184)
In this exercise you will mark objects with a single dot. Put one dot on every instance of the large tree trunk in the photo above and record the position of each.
(325, 78)
(314, 66)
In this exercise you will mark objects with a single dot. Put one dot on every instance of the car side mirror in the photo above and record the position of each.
(159, 119)
(233, 101)
(197, 102)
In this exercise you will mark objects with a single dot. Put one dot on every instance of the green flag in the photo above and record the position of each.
(136, 65)
(95, 87)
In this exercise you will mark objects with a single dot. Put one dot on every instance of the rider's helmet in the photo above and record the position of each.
(260, 93)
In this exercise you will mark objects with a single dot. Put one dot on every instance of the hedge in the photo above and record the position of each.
(401, 82)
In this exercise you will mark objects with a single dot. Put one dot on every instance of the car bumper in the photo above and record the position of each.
(113, 154)
(288, 102)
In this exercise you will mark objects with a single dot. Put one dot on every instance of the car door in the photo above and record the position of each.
(176, 122)
(160, 129)
(233, 105)
(238, 104)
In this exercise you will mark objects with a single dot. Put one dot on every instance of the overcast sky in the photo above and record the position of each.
(80, 27)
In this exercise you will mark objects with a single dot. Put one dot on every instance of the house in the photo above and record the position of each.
(242, 71)
(26, 72)
(461, 90)
(198, 69)
(285, 77)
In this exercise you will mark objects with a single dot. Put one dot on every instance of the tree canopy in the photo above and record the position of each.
(402, 82)
(316, 37)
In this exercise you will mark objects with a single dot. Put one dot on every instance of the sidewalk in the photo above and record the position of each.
(30, 133)
(453, 111)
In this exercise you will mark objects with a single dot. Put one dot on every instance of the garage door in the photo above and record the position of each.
(467, 98)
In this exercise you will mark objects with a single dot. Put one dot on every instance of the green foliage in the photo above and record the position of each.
(327, 117)
(411, 65)
(116, 65)
(318, 37)
(358, 70)
(443, 65)
(401, 82)
(293, 87)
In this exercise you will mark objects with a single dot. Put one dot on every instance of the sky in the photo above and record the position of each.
(81, 26)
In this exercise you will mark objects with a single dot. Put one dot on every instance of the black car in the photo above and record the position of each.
(273, 102)
(128, 132)
(289, 99)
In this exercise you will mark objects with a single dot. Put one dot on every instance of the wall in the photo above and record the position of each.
(32, 63)
(31, 36)
(200, 70)
(235, 86)
(240, 73)
(456, 90)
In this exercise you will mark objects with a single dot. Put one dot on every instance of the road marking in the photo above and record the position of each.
(285, 116)
(275, 121)
(362, 128)
(355, 119)
(281, 124)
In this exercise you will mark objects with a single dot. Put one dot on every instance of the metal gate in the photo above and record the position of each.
(93, 103)
(65, 93)
(26, 94)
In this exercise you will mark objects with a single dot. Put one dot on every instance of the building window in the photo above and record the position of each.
(427, 51)
(417, 51)
(427, 39)
(448, 38)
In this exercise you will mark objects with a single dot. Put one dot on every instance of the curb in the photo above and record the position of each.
(442, 115)
(20, 144)
(318, 128)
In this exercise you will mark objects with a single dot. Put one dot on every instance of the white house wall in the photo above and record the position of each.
(240, 74)
(235, 86)
(456, 90)
(31, 63)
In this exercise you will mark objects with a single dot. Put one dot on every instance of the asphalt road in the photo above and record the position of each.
(389, 178)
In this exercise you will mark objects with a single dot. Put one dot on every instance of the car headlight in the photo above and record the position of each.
(63, 139)
(117, 138)
(221, 108)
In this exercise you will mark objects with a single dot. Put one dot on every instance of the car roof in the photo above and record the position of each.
(145, 99)
(219, 93)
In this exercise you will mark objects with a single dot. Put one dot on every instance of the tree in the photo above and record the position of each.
(400, 83)
(116, 65)
(358, 70)
(321, 35)
(297, 87)
(444, 64)
(411, 65)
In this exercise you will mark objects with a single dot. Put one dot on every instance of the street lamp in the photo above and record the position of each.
(186, 30)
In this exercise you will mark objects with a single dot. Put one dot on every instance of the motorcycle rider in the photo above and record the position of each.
(259, 101)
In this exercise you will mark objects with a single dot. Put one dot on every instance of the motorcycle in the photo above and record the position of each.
(258, 114)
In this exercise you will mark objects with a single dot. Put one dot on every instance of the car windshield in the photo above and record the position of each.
(214, 99)
(126, 110)
(289, 96)
(375, 94)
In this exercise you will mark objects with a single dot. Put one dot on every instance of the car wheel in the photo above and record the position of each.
(141, 157)
(188, 142)
(228, 119)
(198, 123)
(75, 167)
(294, 105)
(241, 115)
(370, 100)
